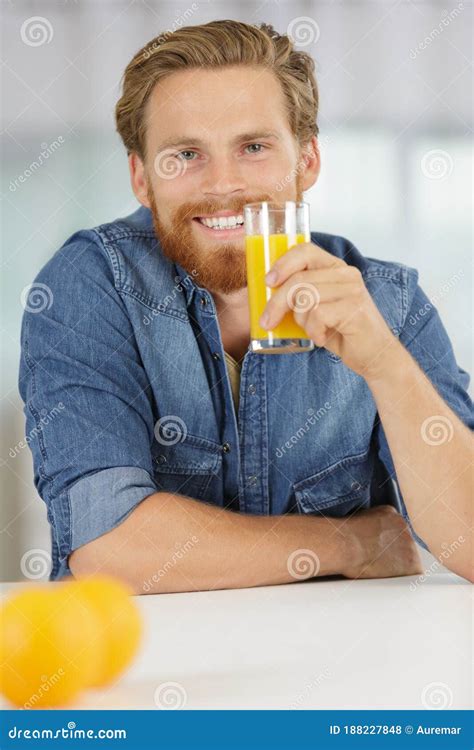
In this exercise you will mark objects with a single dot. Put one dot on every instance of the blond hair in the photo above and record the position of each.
(212, 45)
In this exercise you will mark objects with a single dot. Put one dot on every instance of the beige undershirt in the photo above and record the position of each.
(233, 368)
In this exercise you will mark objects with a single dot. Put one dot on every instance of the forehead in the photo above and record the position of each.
(216, 104)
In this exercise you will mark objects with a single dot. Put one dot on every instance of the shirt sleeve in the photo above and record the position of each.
(88, 406)
(425, 337)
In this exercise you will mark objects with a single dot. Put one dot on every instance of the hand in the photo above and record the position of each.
(383, 543)
(331, 303)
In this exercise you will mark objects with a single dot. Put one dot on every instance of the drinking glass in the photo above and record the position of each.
(270, 230)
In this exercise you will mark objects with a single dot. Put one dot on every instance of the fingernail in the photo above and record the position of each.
(264, 319)
(271, 277)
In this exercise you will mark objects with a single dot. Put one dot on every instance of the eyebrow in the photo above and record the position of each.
(188, 140)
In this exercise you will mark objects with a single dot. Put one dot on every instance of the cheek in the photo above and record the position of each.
(168, 192)
(285, 180)
(265, 178)
(169, 197)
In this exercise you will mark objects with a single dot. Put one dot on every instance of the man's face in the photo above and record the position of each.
(216, 139)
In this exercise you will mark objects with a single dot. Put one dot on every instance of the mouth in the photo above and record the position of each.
(224, 224)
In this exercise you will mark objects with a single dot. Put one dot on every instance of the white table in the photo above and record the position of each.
(321, 644)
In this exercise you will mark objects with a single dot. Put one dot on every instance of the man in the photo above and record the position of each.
(180, 459)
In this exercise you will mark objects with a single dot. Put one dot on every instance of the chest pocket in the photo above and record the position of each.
(338, 489)
(186, 466)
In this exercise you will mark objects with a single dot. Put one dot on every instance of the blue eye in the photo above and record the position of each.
(184, 158)
(260, 146)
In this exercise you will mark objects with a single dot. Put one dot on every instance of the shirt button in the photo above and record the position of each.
(355, 486)
(252, 388)
(161, 459)
(226, 447)
(216, 356)
(203, 301)
(251, 479)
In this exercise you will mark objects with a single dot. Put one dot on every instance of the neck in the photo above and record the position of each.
(234, 321)
(233, 304)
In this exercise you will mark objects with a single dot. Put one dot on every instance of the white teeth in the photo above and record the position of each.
(223, 222)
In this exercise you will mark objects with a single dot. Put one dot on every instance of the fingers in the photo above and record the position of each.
(303, 296)
(326, 320)
(306, 255)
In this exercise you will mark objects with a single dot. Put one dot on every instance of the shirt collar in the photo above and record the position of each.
(186, 280)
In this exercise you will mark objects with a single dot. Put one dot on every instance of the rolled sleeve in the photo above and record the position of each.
(89, 415)
(120, 490)
(425, 337)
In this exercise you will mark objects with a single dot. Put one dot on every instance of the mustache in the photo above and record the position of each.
(192, 209)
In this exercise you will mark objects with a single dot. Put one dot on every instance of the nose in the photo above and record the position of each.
(223, 177)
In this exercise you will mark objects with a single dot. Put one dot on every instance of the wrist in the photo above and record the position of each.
(354, 554)
(391, 362)
(340, 549)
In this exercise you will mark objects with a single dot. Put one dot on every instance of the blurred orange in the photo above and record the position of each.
(120, 623)
(49, 647)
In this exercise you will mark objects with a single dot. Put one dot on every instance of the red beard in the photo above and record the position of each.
(220, 269)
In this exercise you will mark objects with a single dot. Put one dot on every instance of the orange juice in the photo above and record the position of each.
(287, 328)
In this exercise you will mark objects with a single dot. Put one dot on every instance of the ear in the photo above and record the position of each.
(138, 179)
(311, 157)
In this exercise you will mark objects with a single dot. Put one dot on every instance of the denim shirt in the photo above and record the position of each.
(126, 393)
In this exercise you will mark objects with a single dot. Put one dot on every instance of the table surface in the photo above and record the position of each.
(329, 643)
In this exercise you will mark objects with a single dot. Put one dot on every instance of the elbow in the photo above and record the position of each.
(94, 559)
(466, 572)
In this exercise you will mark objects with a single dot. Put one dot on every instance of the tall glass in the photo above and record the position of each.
(270, 230)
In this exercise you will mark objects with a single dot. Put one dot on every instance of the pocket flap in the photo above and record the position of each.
(188, 455)
(348, 479)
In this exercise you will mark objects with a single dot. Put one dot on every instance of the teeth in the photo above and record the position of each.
(223, 222)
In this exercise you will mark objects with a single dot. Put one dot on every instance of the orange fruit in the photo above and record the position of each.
(49, 647)
(120, 623)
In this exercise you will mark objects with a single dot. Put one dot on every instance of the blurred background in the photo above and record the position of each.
(395, 121)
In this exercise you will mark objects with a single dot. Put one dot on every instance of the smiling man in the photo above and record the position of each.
(182, 460)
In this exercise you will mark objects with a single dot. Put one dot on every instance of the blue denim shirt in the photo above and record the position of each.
(126, 393)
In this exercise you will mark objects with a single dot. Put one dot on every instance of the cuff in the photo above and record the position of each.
(99, 502)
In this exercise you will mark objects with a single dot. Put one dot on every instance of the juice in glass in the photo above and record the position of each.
(271, 229)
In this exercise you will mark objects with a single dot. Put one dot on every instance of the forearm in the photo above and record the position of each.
(172, 543)
(432, 454)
